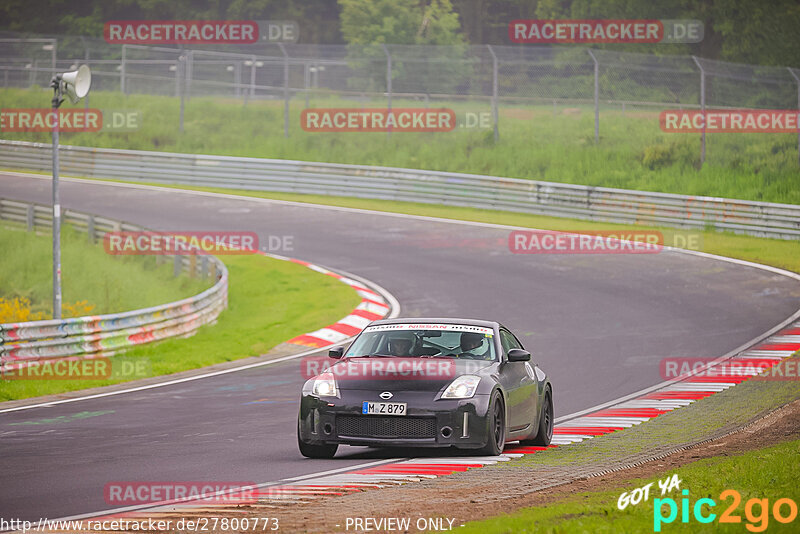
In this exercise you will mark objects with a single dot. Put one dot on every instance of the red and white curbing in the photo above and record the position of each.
(632, 412)
(622, 415)
(372, 307)
(610, 419)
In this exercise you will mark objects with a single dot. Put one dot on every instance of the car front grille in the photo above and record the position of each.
(378, 426)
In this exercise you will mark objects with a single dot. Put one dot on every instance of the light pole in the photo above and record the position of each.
(75, 84)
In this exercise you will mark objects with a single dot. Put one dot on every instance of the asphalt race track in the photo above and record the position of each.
(598, 324)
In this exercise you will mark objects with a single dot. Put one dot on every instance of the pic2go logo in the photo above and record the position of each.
(757, 511)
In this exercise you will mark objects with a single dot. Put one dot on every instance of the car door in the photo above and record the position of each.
(522, 386)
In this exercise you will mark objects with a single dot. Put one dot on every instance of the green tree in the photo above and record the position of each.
(764, 32)
(439, 25)
(553, 9)
(368, 24)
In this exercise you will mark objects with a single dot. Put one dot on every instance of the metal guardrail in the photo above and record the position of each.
(453, 189)
(104, 335)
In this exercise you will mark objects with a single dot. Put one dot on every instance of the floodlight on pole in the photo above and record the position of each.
(75, 84)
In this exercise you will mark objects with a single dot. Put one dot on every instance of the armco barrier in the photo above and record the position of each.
(454, 189)
(103, 335)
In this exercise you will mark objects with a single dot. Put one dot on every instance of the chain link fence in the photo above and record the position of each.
(485, 75)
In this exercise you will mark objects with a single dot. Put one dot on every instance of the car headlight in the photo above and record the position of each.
(462, 387)
(325, 386)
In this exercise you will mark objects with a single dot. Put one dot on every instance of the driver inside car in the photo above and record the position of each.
(400, 346)
(471, 343)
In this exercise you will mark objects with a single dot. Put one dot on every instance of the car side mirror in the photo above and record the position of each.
(336, 352)
(519, 355)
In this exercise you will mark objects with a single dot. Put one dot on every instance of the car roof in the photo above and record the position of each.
(439, 320)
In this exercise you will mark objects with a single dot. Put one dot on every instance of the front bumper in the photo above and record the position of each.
(461, 423)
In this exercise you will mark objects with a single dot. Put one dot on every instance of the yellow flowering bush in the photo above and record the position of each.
(18, 310)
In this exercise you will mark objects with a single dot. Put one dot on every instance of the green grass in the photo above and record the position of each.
(535, 143)
(769, 473)
(110, 283)
(761, 474)
(269, 301)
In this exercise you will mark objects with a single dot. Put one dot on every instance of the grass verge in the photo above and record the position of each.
(768, 473)
(269, 301)
(718, 414)
(540, 142)
(760, 474)
(110, 284)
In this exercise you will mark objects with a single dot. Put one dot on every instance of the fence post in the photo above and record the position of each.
(285, 90)
(388, 77)
(596, 98)
(237, 70)
(494, 93)
(253, 77)
(306, 76)
(182, 86)
(90, 228)
(122, 67)
(53, 52)
(188, 74)
(177, 265)
(29, 216)
(702, 110)
(203, 267)
(178, 77)
(85, 59)
(797, 80)
(235, 80)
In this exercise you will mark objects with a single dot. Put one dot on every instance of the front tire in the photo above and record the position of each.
(544, 433)
(496, 435)
(324, 451)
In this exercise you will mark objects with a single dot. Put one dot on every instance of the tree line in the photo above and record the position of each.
(747, 31)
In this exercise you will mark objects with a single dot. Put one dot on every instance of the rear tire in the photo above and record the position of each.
(496, 436)
(324, 451)
(545, 432)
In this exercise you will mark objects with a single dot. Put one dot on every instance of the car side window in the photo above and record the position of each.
(508, 341)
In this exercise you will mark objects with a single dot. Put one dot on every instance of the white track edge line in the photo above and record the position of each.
(179, 190)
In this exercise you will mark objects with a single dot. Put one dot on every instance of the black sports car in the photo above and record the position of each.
(427, 383)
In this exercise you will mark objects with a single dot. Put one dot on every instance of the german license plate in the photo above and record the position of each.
(383, 408)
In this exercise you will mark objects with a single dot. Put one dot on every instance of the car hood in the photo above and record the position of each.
(403, 374)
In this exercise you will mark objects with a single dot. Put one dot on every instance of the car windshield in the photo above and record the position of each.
(424, 340)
